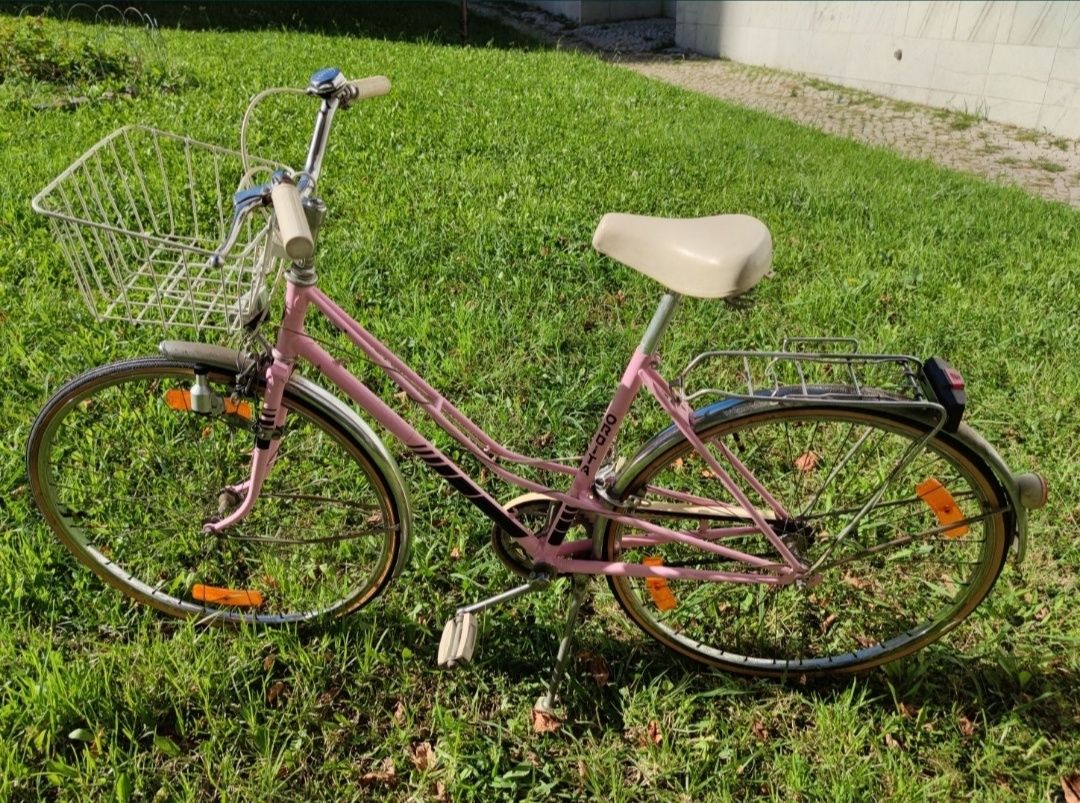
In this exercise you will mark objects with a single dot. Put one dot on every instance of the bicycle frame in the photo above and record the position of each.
(546, 548)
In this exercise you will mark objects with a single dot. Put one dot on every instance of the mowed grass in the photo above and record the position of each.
(462, 206)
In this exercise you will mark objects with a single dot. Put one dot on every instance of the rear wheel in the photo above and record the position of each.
(918, 562)
(126, 474)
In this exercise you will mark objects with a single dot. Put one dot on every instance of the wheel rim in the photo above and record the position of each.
(126, 477)
(868, 606)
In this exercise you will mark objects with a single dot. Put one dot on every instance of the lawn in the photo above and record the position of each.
(462, 208)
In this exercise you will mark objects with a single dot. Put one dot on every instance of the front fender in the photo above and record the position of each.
(328, 404)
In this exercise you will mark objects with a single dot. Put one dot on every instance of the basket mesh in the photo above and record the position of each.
(138, 216)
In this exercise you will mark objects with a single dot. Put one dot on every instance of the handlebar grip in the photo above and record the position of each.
(370, 87)
(292, 222)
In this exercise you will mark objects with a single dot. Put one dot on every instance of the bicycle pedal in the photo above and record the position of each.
(458, 642)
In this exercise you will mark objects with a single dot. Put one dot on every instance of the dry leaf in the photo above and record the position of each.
(402, 397)
(596, 666)
(399, 713)
(893, 743)
(422, 756)
(807, 462)
(275, 691)
(678, 464)
(441, 795)
(653, 729)
(909, 711)
(1070, 786)
(582, 770)
(761, 733)
(384, 775)
(966, 726)
(829, 620)
(268, 662)
(543, 722)
(856, 582)
(455, 554)
(864, 642)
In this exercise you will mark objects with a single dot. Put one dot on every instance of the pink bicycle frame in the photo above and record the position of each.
(547, 548)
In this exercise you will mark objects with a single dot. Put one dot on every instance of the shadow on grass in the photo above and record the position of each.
(940, 682)
(429, 22)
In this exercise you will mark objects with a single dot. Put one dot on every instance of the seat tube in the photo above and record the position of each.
(664, 310)
(604, 437)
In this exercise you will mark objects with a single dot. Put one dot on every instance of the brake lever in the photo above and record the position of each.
(244, 203)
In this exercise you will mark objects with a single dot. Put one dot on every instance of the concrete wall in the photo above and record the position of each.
(1014, 62)
(588, 12)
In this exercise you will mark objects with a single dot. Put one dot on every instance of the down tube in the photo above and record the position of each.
(403, 431)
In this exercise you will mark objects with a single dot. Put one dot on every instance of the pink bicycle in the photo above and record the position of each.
(830, 514)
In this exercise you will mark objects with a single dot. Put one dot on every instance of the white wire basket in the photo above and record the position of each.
(139, 215)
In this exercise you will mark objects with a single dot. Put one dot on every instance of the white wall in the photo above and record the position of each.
(587, 12)
(1014, 62)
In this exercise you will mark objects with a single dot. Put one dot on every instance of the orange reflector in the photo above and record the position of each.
(944, 506)
(237, 597)
(658, 587)
(180, 399)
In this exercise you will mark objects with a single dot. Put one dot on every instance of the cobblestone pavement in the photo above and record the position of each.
(1042, 163)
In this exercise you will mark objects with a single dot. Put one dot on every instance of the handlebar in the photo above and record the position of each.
(292, 222)
(285, 194)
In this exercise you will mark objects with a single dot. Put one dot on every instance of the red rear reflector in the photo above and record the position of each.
(956, 382)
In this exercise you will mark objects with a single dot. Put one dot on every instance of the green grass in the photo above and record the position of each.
(1048, 165)
(462, 207)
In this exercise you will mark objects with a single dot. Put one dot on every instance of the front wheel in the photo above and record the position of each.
(918, 562)
(126, 474)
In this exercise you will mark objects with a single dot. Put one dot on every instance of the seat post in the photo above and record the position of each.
(659, 322)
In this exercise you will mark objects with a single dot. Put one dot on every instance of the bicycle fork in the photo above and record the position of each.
(267, 442)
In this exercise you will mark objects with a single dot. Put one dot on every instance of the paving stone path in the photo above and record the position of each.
(1042, 163)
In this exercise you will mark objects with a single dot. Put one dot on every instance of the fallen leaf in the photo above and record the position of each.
(807, 462)
(909, 711)
(966, 726)
(1070, 786)
(384, 775)
(422, 756)
(441, 795)
(829, 620)
(455, 554)
(857, 582)
(596, 666)
(582, 770)
(761, 733)
(402, 397)
(865, 642)
(653, 729)
(275, 691)
(544, 722)
(399, 713)
(893, 743)
(678, 464)
(268, 662)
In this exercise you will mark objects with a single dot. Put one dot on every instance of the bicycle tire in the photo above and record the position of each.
(126, 474)
(865, 608)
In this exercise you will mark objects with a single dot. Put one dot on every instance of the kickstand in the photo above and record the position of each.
(579, 585)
